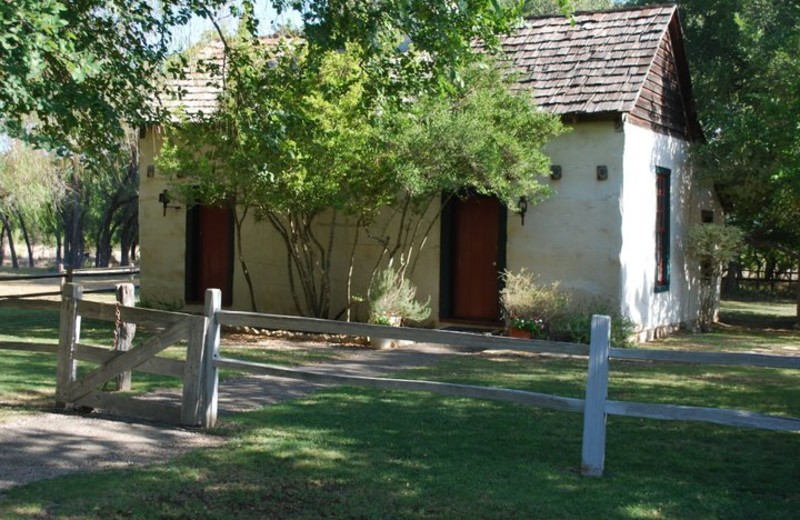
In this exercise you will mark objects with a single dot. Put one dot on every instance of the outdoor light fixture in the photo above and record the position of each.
(165, 198)
(602, 173)
(523, 208)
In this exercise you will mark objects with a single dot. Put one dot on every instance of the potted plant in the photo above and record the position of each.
(393, 301)
(529, 307)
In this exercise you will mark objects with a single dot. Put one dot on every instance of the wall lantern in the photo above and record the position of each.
(165, 198)
(555, 172)
(602, 173)
(523, 208)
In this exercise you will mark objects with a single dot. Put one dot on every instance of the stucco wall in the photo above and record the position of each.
(163, 252)
(161, 236)
(573, 237)
(658, 311)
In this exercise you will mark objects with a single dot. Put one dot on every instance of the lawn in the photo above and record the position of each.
(366, 454)
(27, 379)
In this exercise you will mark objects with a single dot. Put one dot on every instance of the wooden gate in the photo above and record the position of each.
(170, 327)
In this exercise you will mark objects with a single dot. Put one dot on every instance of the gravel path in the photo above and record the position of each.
(51, 444)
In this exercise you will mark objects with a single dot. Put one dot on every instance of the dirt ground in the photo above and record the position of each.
(47, 445)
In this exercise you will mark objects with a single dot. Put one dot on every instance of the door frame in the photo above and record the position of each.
(190, 260)
(447, 250)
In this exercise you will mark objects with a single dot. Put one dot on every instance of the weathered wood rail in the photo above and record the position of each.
(69, 275)
(199, 371)
(595, 406)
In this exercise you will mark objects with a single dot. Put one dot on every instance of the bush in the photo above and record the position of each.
(576, 324)
(531, 306)
(392, 296)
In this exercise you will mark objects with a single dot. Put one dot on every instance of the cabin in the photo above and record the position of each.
(625, 197)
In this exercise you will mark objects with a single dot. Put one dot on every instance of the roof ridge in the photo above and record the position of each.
(668, 5)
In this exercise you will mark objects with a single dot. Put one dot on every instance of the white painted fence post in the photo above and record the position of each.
(69, 333)
(593, 453)
(125, 332)
(213, 303)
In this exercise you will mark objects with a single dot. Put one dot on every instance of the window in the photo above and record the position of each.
(662, 229)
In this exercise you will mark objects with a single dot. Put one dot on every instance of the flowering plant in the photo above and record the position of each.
(535, 325)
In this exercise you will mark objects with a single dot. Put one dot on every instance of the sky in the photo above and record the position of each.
(268, 19)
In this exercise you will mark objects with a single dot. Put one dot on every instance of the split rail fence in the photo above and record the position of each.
(203, 360)
(96, 276)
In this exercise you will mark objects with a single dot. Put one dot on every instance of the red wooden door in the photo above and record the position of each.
(210, 253)
(476, 244)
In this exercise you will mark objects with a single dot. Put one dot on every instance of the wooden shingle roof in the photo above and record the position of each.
(598, 64)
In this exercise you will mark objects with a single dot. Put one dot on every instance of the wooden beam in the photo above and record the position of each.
(69, 334)
(124, 332)
(593, 452)
(739, 418)
(155, 365)
(210, 389)
(461, 339)
(149, 318)
(29, 347)
(193, 374)
(706, 358)
(126, 360)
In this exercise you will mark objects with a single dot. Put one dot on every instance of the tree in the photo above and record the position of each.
(295, 136)
(74, 71)
(712, 245)
(29, 182)
(550, 7)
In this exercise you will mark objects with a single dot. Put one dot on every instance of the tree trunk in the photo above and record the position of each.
(732, 279)
(10, 235)
(797, 311)
(74, 245)
(240, 252)
(2, 242)
(59, 255)
(27, 238)
(127, 240)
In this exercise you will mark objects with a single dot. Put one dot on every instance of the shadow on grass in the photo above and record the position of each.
(350, 453)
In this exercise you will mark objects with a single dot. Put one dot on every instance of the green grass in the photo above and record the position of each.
(365, 454)
(27, 379)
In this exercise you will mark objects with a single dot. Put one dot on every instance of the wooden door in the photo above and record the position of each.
(477, 258)
(209, 252)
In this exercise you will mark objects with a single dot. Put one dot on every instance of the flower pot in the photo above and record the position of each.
(519, 333)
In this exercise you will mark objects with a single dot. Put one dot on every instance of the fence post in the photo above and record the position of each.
(69, 332)
(213, 303)
(124, 332)
(193, 372)
(593, 453)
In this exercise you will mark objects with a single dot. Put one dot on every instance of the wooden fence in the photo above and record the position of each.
(203, 360)
(70, 275)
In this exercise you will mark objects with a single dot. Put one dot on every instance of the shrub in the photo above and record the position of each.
(575, 325)
(712, 245)
(531, 306)
(391, 295)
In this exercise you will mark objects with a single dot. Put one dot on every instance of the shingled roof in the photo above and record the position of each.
(606, 62)
(597, 64)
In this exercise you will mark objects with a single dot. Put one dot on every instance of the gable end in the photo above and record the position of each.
(664, 102)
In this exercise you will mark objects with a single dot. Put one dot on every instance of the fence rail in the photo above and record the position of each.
(199, 370)
(595, 406)
(70, 274)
